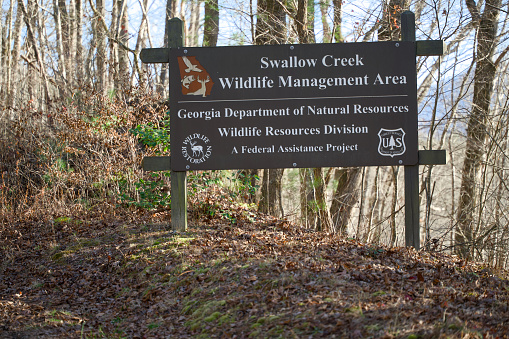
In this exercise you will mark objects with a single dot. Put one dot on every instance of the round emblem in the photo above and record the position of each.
(196, 148)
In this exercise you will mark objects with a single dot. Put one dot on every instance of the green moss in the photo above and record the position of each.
(195, 325)
(202, 314)
(225, 319)
(256, 325)
(272, 318)
(62, 220)
(213, 317)
(261, 320)
(57, 256)
(254, 334)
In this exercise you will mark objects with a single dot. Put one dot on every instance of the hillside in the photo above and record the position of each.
(124, 275)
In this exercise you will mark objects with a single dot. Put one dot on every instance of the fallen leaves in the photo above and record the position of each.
(265, 279)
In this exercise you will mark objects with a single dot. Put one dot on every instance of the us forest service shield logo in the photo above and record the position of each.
(196, 148)
(194, 77)
(392, 142)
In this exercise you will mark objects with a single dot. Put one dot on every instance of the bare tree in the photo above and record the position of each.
(484, 76)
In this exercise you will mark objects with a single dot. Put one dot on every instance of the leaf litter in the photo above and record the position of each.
(130, 277)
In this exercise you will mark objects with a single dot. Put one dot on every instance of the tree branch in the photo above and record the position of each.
(108, 33)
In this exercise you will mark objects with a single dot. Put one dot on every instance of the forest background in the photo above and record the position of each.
(79, 111)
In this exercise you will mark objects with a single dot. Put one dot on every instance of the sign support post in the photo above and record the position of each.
(178, 178)
(412, 237)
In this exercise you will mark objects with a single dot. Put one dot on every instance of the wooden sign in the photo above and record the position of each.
(317, 105)
(288, 106)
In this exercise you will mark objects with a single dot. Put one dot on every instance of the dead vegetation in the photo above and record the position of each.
(128, 276)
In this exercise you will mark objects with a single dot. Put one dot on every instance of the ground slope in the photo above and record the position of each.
(259, 277)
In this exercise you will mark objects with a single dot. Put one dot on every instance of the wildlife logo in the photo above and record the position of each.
(392, 142)
(195, 148)
(194, 78)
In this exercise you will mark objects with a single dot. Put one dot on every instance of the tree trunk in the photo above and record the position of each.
(338, 20)
(324, 218)
(80, 72)
(211, 25)
(62, 64)
(14, 60)
(477, 125)
(161, 87)
(345, 197)
(302, 22)
(5, 35)
(123, 37)
(308, 210)
(324, 6)
(140, 44)
(271, 23)
(100, 43)
(64, 21)
(194, 24)
(270, 200)
(113, 59)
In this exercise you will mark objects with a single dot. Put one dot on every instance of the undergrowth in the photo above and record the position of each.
(85, 154)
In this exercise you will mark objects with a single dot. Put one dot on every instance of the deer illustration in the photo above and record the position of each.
(202, 91)
(197, 150)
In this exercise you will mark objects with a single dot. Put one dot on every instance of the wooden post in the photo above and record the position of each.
(178, 179)
(412, 231)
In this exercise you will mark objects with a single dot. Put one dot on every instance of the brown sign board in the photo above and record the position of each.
(283, 106)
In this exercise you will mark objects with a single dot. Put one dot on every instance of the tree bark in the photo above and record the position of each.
(345, 197)
(211, 25)
(161, 87)
(100, 43)
(80, 72)
(484, 77)
(123, 37)
(64, 21)
(143, 34)
(338, 20)
(271, 23)
(194, 24)
(62, 64)
(324, 218)
(14, 60)
(5, 35)
(270, 200)
(324, 6)
(302, 22)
